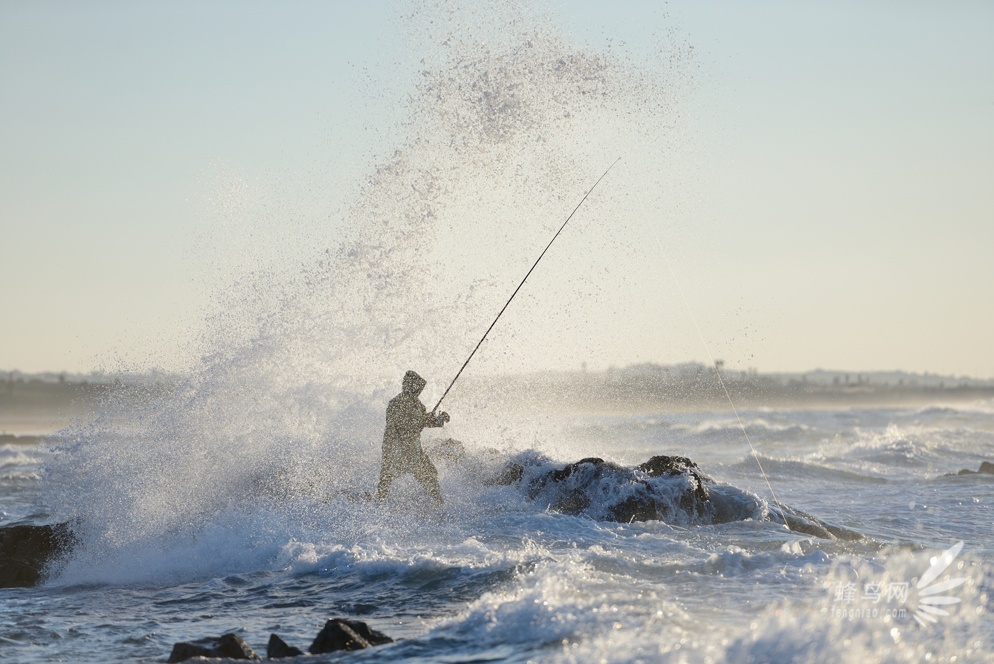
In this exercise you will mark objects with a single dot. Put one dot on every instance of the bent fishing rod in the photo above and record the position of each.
(528, 274)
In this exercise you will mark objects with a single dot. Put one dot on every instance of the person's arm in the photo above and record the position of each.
(434, 421)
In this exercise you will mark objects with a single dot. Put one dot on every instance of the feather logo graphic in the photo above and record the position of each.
(929, 598)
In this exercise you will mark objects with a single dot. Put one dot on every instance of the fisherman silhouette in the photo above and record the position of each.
(402, 453)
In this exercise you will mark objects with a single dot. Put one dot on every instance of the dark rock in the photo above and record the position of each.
(800, 522)
(571, 489)
(26, 550)
(573, 502)
(667, 465)
(228, 646)
(184, 651)
(635, 508)
(611, 492)
(563, 473)
(278, 648)
(342, 634)
(659, 466)
(512, 474)
(568, 504)
(986, 468)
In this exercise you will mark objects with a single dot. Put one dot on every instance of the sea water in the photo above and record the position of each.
(497, 576)
(232, 500)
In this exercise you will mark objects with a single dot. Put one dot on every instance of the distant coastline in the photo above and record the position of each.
(695, 386)
(36, 404)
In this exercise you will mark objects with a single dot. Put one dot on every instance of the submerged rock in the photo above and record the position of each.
(800, 522)
(342, 634)
(26, 550)
(511, 474)
(986, 468)
(228, 646)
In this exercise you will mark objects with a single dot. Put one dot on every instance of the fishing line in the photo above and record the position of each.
(480, 343)
(717, 372)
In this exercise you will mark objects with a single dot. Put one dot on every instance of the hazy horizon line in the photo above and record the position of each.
(74, 376)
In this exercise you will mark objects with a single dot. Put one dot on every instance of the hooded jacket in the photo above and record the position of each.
(406, 418)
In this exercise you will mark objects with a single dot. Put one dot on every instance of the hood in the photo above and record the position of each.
(413, 383)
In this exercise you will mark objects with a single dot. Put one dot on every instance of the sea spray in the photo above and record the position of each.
(501, 134)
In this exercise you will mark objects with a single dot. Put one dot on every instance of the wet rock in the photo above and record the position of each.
(278, 648)
(667, 465)
(228, 646)
(986, 468)
(26, 550)
(563, 473)
(572, 503)
(635, 508)
(611, 492)
(512, 474)
(800, 522)
(693, 502)
(342, 634)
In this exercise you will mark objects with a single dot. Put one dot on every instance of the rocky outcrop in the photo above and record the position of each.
(338, 634)
(26, 551)
(278, 648)
(576, 487)
(664, 488)
(228, 646)
(986, 468)
(341, 634)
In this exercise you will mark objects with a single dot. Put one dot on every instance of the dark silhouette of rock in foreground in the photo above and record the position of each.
(342, 634)
(337, 634)
(26, 550)
(229, 646)
(278, 648)
(986, 468)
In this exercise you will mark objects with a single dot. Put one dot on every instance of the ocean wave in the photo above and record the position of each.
(841, 609)
(818, 468)
(293, 520)
(981, 407)
(567, 609)
(539, 610)
(754, 426)
(15, 456)
(734, 560)
(871, 607)
(899, 451)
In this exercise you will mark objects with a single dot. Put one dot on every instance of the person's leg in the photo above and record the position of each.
(383, 486)
(388, 473)
(427, 475)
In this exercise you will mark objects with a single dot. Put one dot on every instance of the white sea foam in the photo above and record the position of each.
(297, 366)
(14, 456)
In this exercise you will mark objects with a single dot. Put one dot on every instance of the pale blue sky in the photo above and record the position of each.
(837, 208)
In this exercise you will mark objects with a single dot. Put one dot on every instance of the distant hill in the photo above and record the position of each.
(638, 387)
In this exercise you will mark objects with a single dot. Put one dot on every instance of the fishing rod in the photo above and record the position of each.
(717, 371)
(480, 343)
